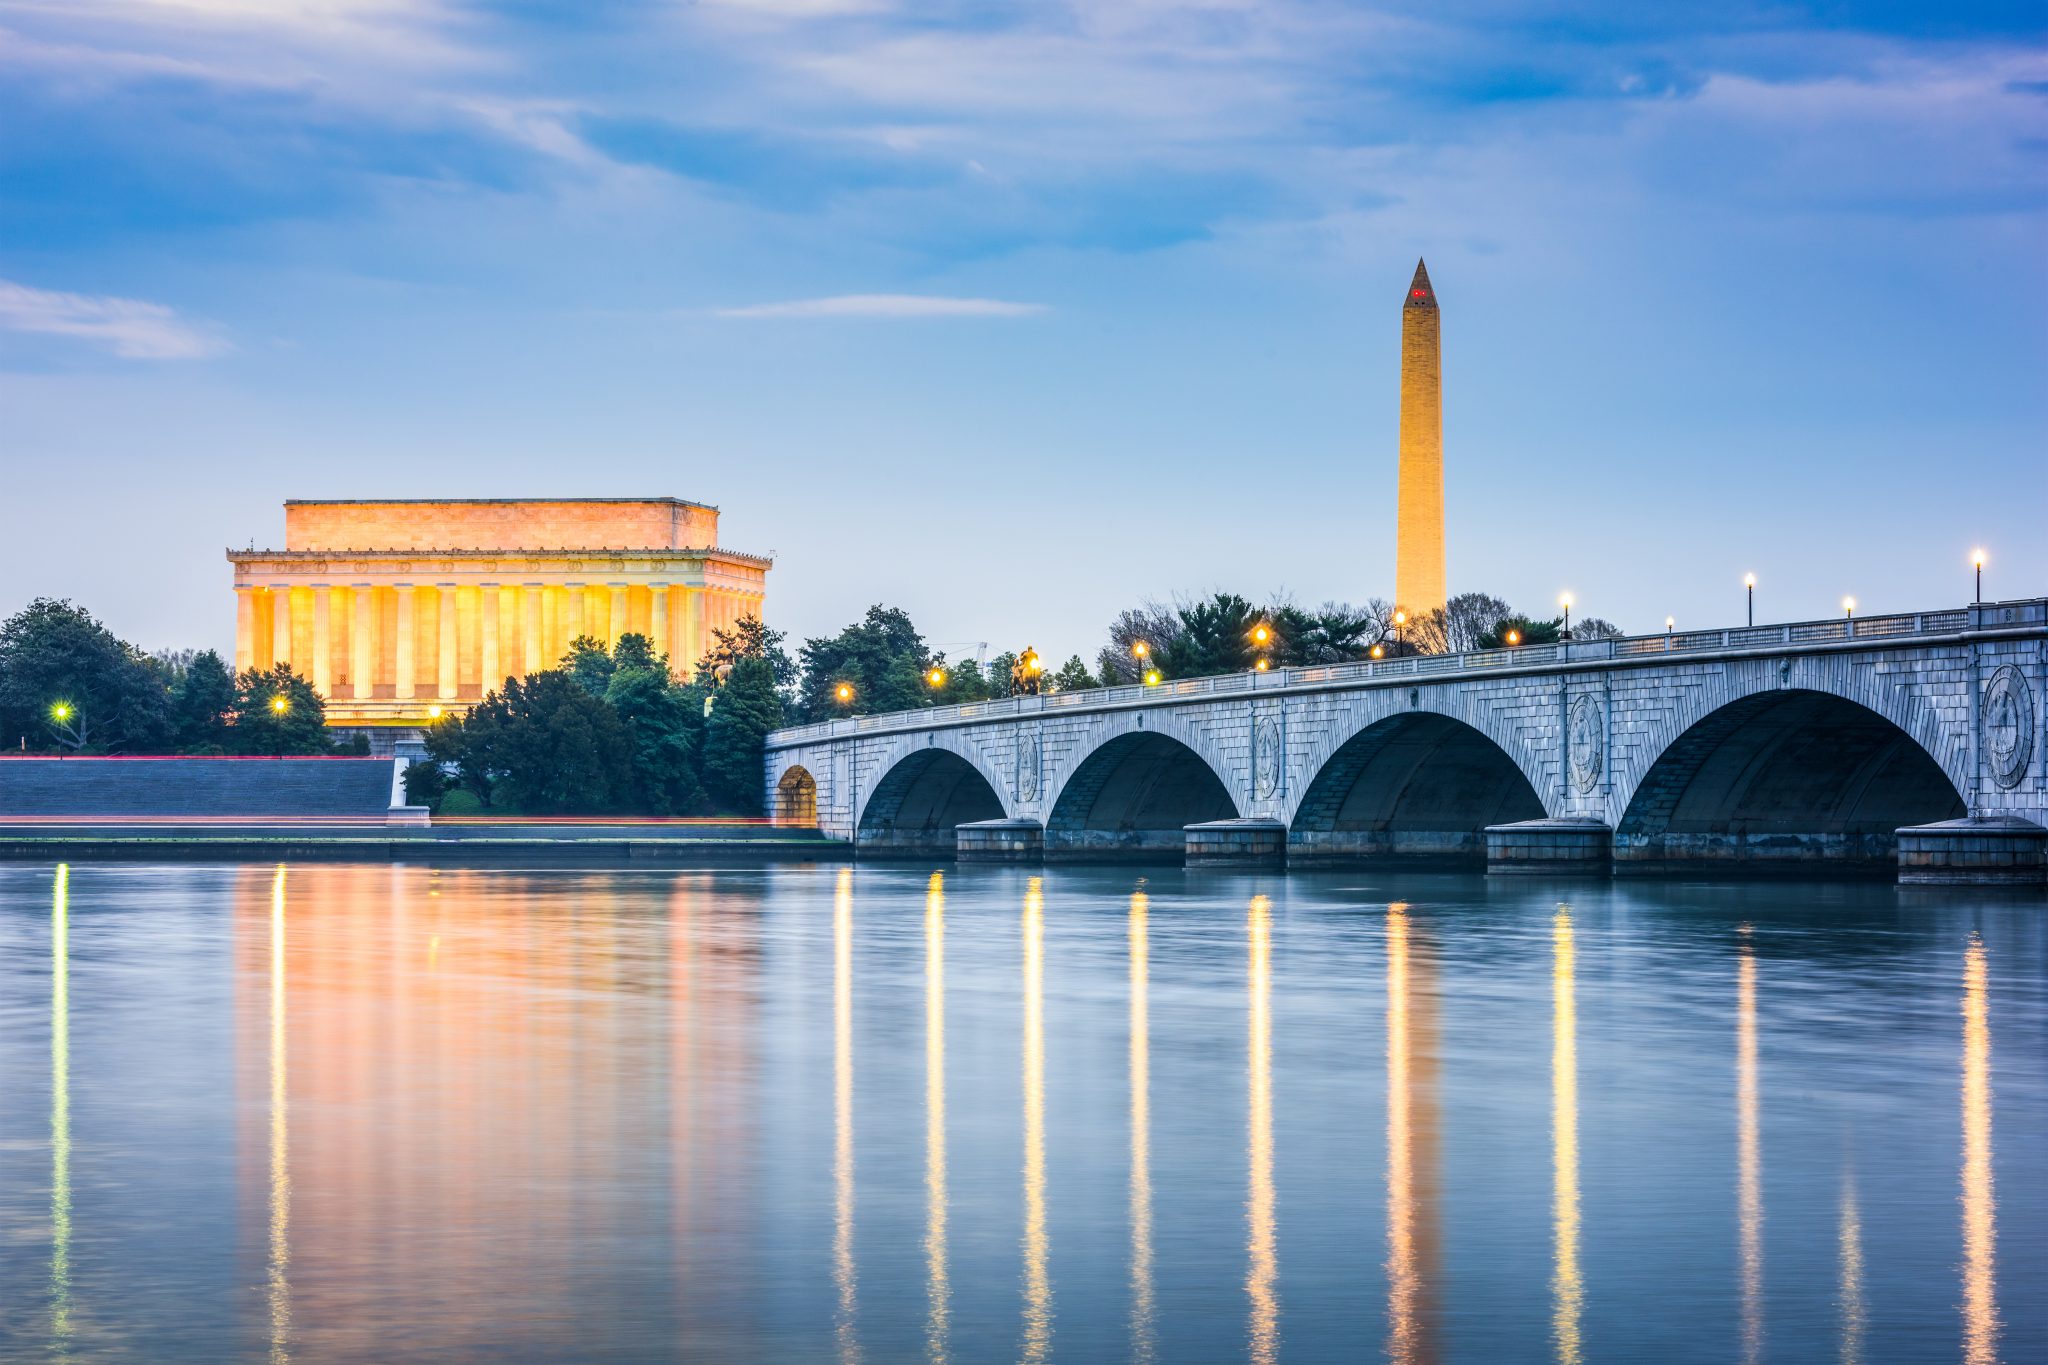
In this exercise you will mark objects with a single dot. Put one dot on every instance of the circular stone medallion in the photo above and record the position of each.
(1584, 739)
(1027, 766)
(2008, 726)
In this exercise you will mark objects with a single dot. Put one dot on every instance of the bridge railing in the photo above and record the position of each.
(1929, 624)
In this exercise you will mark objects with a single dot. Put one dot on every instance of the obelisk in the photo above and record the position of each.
(1419, 535)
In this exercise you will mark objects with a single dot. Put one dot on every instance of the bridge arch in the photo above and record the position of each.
(1788, 776)
(796, 797)
(1415, 784)
(1134, 787)
(927, 785)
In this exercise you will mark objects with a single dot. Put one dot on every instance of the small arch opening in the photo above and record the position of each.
(1416, 787)
(796, 799)
(1784, 782)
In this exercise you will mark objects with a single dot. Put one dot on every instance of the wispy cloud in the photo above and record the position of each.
(132, 328)
(886, 306)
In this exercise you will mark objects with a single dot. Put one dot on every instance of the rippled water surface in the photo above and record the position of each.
(383, 1113)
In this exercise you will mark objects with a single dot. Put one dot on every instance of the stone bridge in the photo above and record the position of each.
(1817, 746)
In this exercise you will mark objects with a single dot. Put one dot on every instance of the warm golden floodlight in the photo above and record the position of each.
(280, 704)
(1262, 665)
(1514, 637)
(433, 713)
(1400, 618)
(1141, 649)
(1261, 634)
(844, 692)
(1378, 651)
(937, 677)
(1151, 677)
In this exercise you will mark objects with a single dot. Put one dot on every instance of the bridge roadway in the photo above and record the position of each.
(1820, 746)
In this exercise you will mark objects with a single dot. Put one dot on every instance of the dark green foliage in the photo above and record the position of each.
(52, 652)
(1531, 632)
(425, 783)
(748, 639)
(965, 682)
(1215, 637)
(882, 657)
(461, 801)
(666, 726)
(203, 704)
(544, 744)
(746, 708)
(590, 664)
(1073, 676)
(998, 673)
(1155, 626)
(262, 727)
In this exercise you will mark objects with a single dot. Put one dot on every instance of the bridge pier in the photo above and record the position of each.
(1984, 851)
(999, 841)
(1581, 844)
(1236, 843)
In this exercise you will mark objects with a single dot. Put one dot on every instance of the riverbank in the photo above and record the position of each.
(509, 841)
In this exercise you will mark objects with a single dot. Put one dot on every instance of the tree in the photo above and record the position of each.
(204, 705)
(590, 664)
(965, 682)
(544, 744)
(1215, 637)
(1334, 633)
(1073, 676)
(745, 709)
(1459, 625)
(748, 639)
(665, 724)
(1595, 628)
(998, 674)
(1155, 626)
(55, 655)
(882, 657)
(1526, 631)
(278, 712)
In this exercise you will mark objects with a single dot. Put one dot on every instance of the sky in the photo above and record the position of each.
(1014, 315)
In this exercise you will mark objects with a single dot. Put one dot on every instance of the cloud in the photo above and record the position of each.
(886, 306)
(132, 328)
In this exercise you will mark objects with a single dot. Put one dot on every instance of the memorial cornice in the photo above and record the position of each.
(589, 557)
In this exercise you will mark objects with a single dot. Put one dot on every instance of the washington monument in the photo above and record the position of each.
(1419, 538)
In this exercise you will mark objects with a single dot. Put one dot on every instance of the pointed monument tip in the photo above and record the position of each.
(1420, 294)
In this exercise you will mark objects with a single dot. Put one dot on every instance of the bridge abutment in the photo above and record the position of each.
(1570, 843)
(1235, 843)
(1986, 851)
(1000, 841)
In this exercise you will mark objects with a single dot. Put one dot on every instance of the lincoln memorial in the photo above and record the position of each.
(399, 611)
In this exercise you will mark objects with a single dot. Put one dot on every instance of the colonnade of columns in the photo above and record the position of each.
(457, 641)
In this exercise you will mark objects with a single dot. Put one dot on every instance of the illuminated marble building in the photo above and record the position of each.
(400, 610)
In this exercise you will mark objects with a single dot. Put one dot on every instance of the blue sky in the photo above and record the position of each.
(1015, 314)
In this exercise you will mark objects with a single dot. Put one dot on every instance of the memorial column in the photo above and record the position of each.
(280, 624)
(487, 638)
(657, 621)
(618, 616)
(245, 628)
(362, 669)
(406, 666)
(692, 630)
(450, 651)
(323, 642)
(531, 639)
(573, 627)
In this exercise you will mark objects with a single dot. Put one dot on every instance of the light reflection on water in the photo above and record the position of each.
(305, 1113)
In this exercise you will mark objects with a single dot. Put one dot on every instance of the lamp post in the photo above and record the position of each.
(1262, 635)
(1565, 600)
(1400, 632)
(1670, 624)
(1514, 638)
(1977, 562)
(843, 694)
(1749, 587)
(1848, 608)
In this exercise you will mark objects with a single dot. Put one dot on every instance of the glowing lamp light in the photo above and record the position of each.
(1749, 580)
(1976, 559)
(61, 711)
(1564, 599)
(433, 713)
(280, 704)
(1141, 649)
(1848, 606)
(1261, 634)
(937, 677)
(1262, 665)
(1379, 651)
(1151, 677)
(1514, 638)
(844, 692)
(1670, 621)
(1400, 618)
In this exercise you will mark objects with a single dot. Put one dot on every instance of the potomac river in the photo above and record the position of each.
(333, 1112)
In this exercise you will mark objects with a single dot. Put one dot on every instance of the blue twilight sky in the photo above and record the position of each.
(1013, 314)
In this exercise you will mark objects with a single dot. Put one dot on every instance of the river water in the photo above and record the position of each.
(328, 1112)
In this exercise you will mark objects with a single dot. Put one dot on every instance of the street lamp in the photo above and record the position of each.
(61, 712)
(1977, 562)
(1151, 677)
(1401, 631)
(844, 693)
(280, 704)
(1749, 586)
(1514, 638)
(937, 677)
(1565, 600)
(1849, 608)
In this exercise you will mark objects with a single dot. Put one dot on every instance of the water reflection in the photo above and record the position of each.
(1411, 1145)
(1037, 1281)
(1849, 1238)
(1567, 1288)
(1748, 1159)
(280, 1138)
(1980, 1210)
(1260, 1250)
(939, 1292)
(60, 1106)
(842, 1115)
(1143, 1322)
